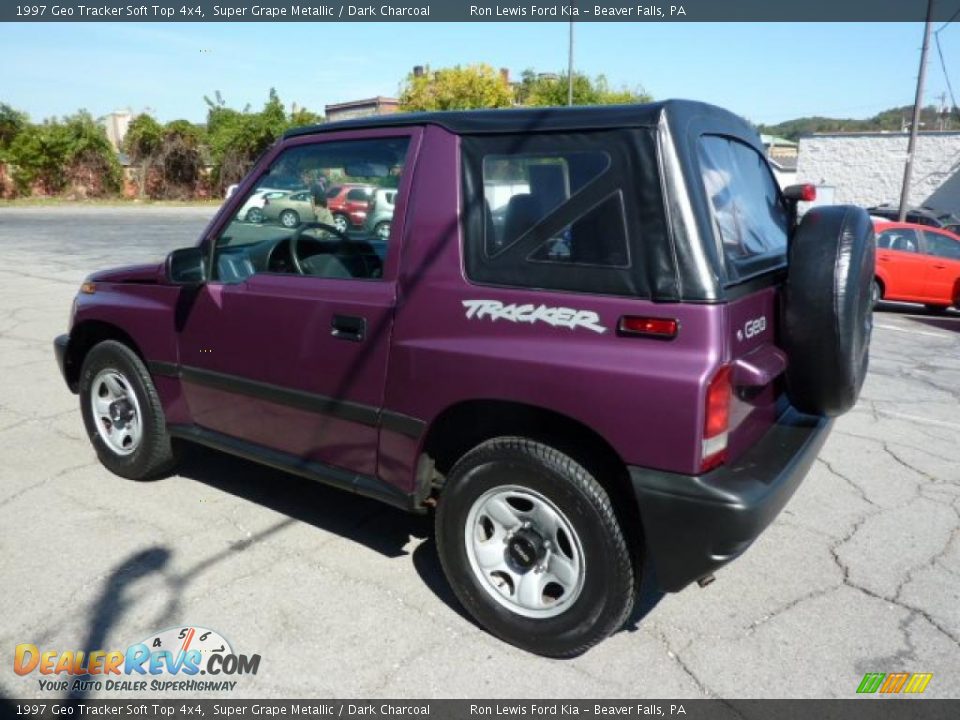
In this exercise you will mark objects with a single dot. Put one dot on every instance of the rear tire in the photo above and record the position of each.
(554, 587)
(123, 414)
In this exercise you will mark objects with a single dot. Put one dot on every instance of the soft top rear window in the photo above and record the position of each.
(748, 209)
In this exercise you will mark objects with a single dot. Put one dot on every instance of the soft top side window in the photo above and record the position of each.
(748, 208)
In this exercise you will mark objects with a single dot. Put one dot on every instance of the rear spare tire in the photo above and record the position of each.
(827, 309)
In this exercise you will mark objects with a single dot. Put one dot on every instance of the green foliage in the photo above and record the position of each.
(12, 123)
(892, 120)
(552, 90)
(302, 116)
(57, 155)
(456, 88)
(237, 138)
(144, 138)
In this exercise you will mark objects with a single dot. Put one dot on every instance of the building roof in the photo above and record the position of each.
(378, 100)
(776, 140)
(470, 122)
(882, 133)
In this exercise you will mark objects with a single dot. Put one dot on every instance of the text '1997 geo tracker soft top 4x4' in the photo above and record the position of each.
(596, 342)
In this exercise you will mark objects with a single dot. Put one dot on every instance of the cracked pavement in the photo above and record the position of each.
(343, 597)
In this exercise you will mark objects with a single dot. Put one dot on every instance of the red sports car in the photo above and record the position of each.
(917, 263)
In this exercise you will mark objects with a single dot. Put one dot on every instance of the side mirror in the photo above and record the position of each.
(187, 266)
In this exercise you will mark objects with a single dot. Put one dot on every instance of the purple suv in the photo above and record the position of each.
(598, 341)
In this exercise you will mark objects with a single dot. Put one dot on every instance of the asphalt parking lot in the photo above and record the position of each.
(343, 597)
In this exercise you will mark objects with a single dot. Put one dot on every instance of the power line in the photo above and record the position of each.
(943, 66)
(952, 18)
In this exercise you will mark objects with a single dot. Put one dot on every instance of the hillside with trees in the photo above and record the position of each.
(892, 120)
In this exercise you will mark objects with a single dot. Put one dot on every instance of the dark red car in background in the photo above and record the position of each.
(917, 263)
(350, 204)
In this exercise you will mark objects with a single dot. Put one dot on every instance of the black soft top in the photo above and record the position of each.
(678, 113)
(657, 160)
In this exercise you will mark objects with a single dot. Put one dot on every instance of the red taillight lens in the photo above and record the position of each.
(716, 422)
(665, 328)
(809, 193)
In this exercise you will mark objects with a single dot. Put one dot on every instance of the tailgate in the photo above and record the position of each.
(757, 366)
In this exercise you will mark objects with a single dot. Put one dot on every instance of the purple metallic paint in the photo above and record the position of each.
(423, 355)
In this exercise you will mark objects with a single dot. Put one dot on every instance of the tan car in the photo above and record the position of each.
(289, 210)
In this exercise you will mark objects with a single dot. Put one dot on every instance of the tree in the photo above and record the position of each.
(143, 142)
(238, 138)
(181, 159)
(892, 120)
(12, 123)
(552, 90)
(456, 88)
(92, 167)
(73, 153)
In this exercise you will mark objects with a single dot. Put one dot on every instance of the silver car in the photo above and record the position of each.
(380, 215)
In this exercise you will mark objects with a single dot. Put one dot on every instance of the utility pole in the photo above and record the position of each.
(570, 66)
(917, 108)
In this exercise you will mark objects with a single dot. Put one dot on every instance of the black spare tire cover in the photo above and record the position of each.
(827, 314)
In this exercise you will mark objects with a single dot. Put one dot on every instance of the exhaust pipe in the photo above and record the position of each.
(705, 580)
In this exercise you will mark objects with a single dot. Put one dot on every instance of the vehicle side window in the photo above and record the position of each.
(359, 194)
(943, 246)
(747, 206)
(296, 204)
(902, 239)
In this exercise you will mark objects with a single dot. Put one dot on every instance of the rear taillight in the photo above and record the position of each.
(716, 422)
(665, 328)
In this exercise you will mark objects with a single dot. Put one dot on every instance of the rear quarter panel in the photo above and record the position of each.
(642, 395)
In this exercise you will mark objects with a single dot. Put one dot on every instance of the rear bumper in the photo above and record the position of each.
(60, 346)
(696, 524)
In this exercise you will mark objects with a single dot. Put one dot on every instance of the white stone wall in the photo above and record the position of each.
(867, 169)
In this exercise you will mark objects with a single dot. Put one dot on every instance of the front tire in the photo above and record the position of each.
(532, 548)
(122, 413)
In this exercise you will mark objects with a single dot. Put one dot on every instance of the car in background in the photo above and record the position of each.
(918, 215)
(290, 209)
(350, 204)
(252, 209)
(380, 214)
(917, 263)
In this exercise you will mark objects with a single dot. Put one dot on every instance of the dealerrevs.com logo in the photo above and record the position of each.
(171, 660)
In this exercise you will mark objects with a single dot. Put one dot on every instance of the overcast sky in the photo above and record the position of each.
(766, 72)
